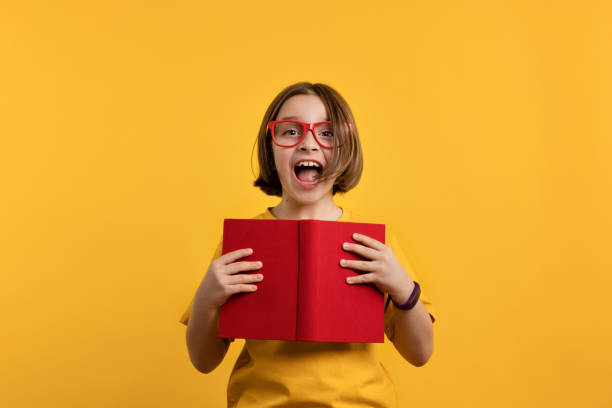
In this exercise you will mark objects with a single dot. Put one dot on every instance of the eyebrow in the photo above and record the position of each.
(296, 118)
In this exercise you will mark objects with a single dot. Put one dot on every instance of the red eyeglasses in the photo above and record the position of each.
(289, 133)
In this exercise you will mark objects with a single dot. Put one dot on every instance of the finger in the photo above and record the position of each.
(234, 255)
(359, 265)
(365, 278)
(361, 250)
(245, 278)
(242, 266)
(233, 289)
(368, 241)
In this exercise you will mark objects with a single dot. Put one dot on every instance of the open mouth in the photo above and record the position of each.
(306, 171)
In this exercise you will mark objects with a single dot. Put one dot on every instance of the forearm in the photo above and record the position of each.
(206, 348)
(413, 334)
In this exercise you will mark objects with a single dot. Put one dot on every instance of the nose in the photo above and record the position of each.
(308, 142)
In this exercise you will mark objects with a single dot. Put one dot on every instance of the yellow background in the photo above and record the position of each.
(126, 133)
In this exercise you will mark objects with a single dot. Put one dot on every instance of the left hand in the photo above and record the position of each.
(383, 269)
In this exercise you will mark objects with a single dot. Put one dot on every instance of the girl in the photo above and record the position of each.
(309, 150)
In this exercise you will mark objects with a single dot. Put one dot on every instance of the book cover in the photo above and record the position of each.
(304, 295)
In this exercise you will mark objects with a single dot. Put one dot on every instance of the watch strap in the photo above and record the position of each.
(412, 299)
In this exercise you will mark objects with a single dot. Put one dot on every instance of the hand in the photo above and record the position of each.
(223, 278)
(383, 269)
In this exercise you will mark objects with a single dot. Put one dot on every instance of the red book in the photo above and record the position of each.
(304, 295)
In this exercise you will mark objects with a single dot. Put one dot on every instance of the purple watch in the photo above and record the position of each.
(412, 300)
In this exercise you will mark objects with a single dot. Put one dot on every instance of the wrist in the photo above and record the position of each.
(205, 307)
(401, 296)
(411, 301)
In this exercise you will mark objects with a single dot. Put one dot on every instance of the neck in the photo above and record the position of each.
(325, 209)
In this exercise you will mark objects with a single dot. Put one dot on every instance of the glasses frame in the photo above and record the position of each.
(307, 126)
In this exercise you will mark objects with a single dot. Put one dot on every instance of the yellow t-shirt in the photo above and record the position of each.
(273, 373)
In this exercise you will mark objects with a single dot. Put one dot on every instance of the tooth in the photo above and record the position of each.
(308, 163)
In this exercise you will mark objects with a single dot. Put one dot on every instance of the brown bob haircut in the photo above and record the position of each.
(347, 158)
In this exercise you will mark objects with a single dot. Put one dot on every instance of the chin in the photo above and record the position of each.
(302, 196)
(310, 197)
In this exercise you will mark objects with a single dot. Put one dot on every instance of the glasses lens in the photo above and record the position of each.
(287, 133)
(325, 134)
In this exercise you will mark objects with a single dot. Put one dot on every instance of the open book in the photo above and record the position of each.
(304, 295)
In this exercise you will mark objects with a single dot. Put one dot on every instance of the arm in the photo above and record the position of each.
(413, 330)
(222, 280)
(206, 349)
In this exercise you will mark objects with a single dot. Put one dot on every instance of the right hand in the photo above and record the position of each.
(223, 278)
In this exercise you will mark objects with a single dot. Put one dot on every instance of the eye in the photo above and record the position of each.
(327, 133)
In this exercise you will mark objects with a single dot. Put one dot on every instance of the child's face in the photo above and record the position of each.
(310, 109)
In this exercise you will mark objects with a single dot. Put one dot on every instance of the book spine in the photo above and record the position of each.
(308, 276)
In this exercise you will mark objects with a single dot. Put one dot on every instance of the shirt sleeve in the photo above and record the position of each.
(187, 313)
(393, 243)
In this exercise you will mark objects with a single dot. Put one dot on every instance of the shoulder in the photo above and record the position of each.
(265, 215)
(351, 216)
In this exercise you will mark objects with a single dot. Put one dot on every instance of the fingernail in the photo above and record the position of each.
(259, 263)
(355, 235)
(250, 250)
(342, 262)
(348, 280)
(345, 245)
